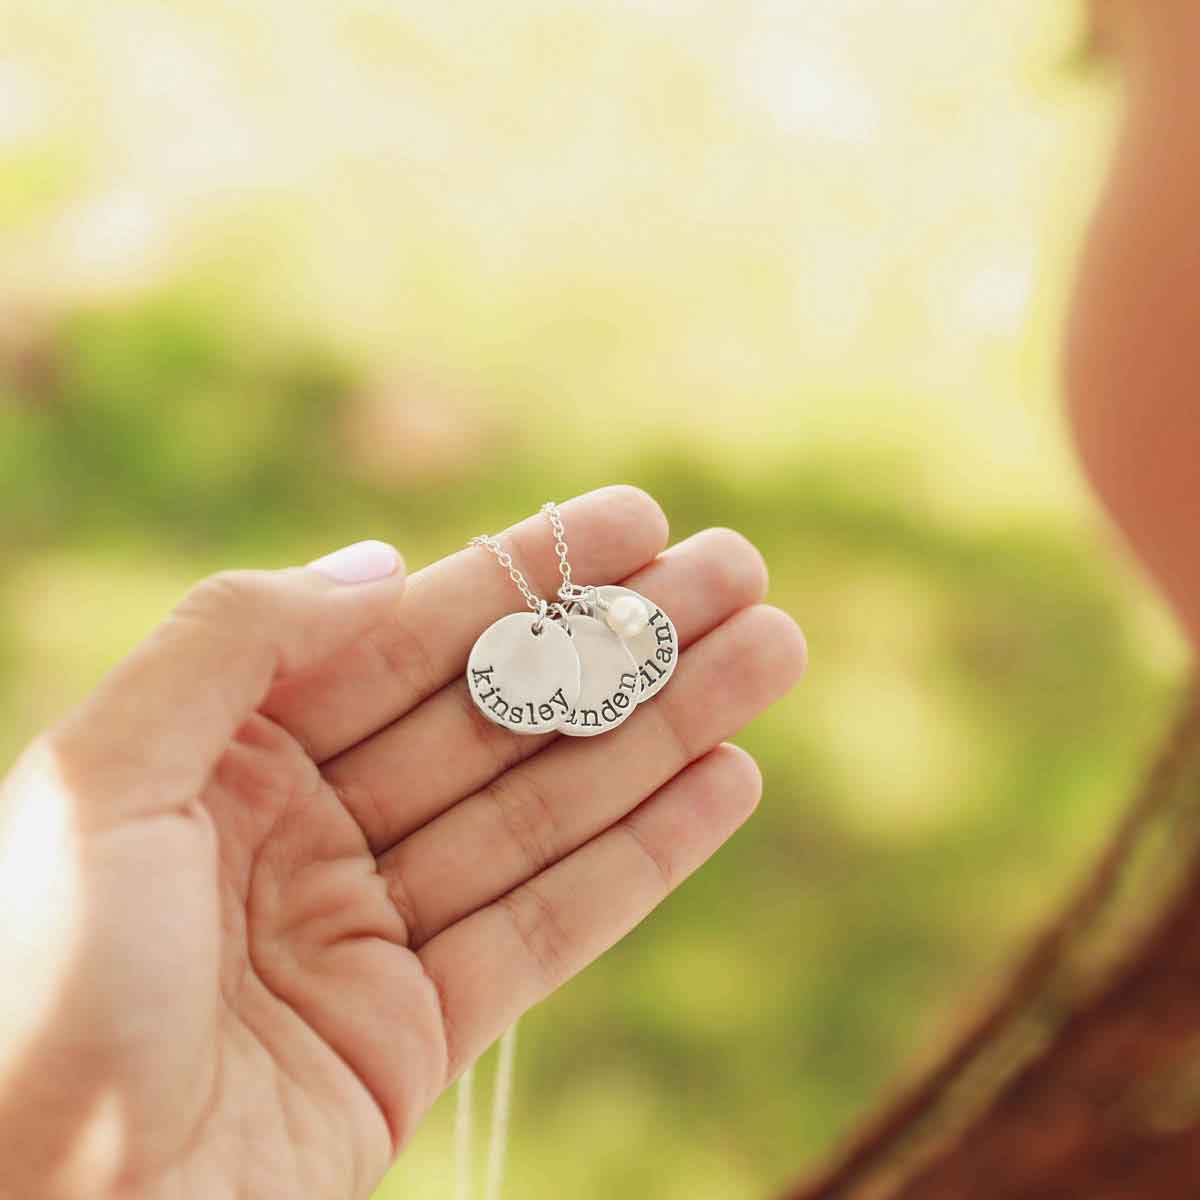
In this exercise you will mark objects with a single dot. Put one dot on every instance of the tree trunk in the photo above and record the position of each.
(1082, 1081)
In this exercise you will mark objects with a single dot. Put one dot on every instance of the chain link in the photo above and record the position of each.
(566, 591)
(488, 542)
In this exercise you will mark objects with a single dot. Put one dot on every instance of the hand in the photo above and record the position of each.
(276, 883)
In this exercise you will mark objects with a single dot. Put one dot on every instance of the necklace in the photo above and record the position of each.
(578, 665)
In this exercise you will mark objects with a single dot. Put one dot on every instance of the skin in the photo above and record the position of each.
(1133, 354)
(276, 883)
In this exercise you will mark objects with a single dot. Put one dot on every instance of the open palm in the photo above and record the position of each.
(277, 883)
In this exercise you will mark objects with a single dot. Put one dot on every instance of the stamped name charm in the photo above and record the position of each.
(647, 631)
(579, 666)
(611, 685)
(524, 673)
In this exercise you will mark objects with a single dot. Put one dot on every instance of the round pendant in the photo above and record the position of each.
(655, 649)
(611, 684)
(527, 682)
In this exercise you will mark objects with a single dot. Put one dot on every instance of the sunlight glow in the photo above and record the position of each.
(96, 1152)
(39, 894)
(997, 297)
(24, 103)
(808, 97)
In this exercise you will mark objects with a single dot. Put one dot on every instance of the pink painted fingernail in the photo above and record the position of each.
(364, 562)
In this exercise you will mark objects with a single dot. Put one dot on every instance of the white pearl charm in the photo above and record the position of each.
(627, 616)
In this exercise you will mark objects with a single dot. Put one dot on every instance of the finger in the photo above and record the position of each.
(612, 532)
(445, 749)
(148, 737)
(541, 810)
(500, 961)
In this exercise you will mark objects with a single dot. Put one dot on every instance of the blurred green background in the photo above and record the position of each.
(274, 277)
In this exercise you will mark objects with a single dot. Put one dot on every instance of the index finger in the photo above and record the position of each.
(611, 533)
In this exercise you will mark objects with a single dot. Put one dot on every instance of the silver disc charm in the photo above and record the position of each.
(611, 686)
(527, 682)
(655, 649)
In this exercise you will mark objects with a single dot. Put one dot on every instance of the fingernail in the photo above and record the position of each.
(363, 562)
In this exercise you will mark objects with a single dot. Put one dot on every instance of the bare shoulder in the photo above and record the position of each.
(1133, 356)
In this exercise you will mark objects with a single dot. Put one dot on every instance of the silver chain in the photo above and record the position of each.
(565, 592)
(488, 542)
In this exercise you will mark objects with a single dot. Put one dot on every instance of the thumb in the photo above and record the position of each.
(152, 731)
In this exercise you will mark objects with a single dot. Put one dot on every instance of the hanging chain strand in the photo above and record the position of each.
(567, 591)
(488, 542)
(502, 1097)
